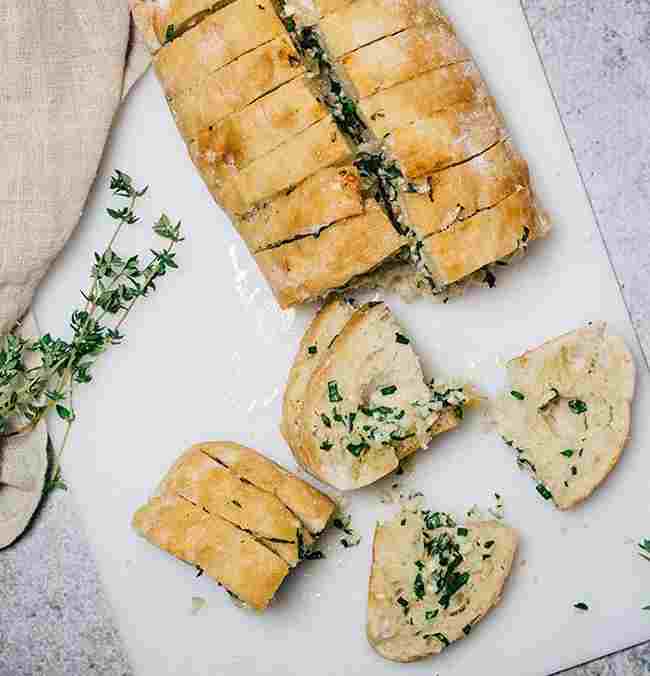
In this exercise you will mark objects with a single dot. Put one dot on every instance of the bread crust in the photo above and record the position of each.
(235, 559)
(398, 58)
(235, 86)
(239, 190)
(446, 138)
(459, 192)
(573, 422)
(328, 196)
(309, 268)
(219, 39)
(401, 633)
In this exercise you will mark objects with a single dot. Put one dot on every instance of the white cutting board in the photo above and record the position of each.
(207, 358)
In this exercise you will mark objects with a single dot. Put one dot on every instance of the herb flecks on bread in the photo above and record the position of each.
(432, 581)
(357, 402)
(236, 515)
(566, 412)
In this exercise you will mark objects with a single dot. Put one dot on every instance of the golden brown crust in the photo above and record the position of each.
(365, 21)
(458, 192)
(398, 58)
(328, 196)
(232, 557)
(319, 146)
(308, 268)
(311, 506)
(219, 39)
(423, 97)
(446, 138)
(236, 85)
(488, 236)
(253, 132)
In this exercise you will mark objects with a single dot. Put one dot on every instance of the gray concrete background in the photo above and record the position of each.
(55, 618)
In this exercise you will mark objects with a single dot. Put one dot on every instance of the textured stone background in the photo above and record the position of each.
(57, 621)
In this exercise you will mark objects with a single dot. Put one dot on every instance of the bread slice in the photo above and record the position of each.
(432, 582)
(362, 404)
(567, 411)
(237, 515)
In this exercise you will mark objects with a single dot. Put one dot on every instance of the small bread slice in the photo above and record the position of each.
(330, 195)
(366, 405)
(432, 582)
(310, 267)
(398, 58)
(488, 236)
(219, 39)
(235, 559)
(567, 411)
(224, 507)
(236, 85)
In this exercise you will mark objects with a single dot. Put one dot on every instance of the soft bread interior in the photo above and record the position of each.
(432, 582)
(567, 412)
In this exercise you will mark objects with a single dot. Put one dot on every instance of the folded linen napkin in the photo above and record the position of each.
(67, 64)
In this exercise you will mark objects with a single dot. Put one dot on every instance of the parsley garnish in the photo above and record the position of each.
(581, 606)
(430, 615)
(577, 406)
(544, 492)
(462, 532)
(326, 446)
(403, 340)
(387, 391)
(404, 603)
(466, 629)
(489, 544)
(357, 449)
(418, 587)
(442, 638)
(326, 421)
(517, 395)
(644, 549)
(312, 349)
(568, 453)
(574, 471)
(333, 391)
(290, 24)
(170, 33)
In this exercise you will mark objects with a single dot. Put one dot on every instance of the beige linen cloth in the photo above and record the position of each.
(65, 67)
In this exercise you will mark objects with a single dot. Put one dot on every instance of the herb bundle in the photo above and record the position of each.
(28, 393)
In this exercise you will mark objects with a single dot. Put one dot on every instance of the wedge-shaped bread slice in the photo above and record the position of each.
(314, 347)
(328, 196)
(236, 85)
(363, 405)
(424, 96)
(223, 506)
(219, 39)
(432, 582)
(468, 245)
(235, 559)
(458, 193)
(567, 411)
(401, 57)
(311, 267)
(366, 21)
(317, 147)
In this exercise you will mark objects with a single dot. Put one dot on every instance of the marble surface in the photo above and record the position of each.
(55, 618)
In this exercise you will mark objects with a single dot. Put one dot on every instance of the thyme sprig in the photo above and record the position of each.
(29, 392)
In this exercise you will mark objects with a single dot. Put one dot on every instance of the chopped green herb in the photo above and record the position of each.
(290, 24)
(581, 606)
(326, 446)
(544, 492)
(418, 587)
(357, 449)
(518, 395)
(442, 638)
(644, 547)
(315, 555)
(403, 523)
(577, 406)
(489, 544)
(454, 582)
(419, 565)
(568, 453)
(170, 33)
(337, 416)
(404, 603)
(387, 391)
(333, 391)
(403, 340)
(574, 471)
(326, 421)
(312, 349)
(462, 532)
(466, 629)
